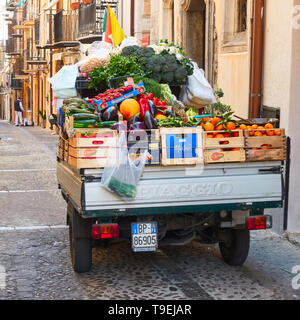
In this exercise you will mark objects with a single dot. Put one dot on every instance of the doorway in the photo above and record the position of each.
(195, 30)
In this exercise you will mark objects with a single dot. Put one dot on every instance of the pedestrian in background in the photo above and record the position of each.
(18, 112)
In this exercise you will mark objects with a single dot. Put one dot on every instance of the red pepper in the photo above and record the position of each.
(144, 107)
(150, 95)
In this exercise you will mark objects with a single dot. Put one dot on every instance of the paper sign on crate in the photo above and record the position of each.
(182, 146)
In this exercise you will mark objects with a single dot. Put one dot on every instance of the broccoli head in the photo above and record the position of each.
(167, 77)
(156, 77)
(145, 52)
(129, 51)
(180, 74)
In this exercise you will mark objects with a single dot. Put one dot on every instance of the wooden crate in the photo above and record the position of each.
(257, 142)
(181, 146)
(265, 155)
(97, 152)
(216, 156)
(230, 142)
(82, 163)
(138, 141)
(93, 137)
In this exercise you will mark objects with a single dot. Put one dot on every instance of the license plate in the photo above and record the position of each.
(144, 236)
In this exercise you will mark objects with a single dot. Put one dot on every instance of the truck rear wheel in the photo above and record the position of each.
(235, 250)
(81, 252)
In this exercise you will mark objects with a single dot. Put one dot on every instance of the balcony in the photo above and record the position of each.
(36, 60)
(65, 29)
(12, 48)
(10, 5)
(16, 84)
(90, 20)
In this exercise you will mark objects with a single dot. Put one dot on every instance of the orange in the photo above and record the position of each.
(258, 134)
(230, 125)
(235, 134)
(210, 135)
(251, 133)
(235, 149)
(215, 120)
(227, 135)
(219, 136)
(249, 127)
(206, 119)
(220, 127)
(209, 126)
(255, 126)
(277, 132)
(243, 127)
(269, 126)
(270, 133)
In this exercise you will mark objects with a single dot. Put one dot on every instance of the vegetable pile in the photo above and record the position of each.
(163, 67)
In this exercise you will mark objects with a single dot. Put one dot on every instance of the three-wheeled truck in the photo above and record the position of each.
(215, 203)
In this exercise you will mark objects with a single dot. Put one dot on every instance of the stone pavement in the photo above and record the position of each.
(35, 258)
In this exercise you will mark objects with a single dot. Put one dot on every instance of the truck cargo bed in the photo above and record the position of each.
(170, 190)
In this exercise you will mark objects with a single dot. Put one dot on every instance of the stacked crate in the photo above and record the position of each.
(181, 146)
(92, 148)
(139, 141)
(63, 146)
(271, 147)
(227, 149)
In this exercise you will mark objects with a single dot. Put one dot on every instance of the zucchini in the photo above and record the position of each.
(106, 124)
(85, 116)
(78, 110)
(84, 124)
(124, 190)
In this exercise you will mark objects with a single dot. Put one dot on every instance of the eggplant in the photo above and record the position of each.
(150, 122)
(110, 114)
(134, 119)
(152, 108)
(137, 126)
(168, 113)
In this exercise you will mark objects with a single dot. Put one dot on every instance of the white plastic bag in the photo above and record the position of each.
(123, 177)
(198, 92)
(65, 78)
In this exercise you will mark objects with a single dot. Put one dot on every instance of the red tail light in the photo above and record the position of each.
(105, 231)
(259, 223)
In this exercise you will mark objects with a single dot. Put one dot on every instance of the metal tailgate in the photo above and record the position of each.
(193, 186)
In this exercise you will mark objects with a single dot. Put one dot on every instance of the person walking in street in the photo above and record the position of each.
(18, 112)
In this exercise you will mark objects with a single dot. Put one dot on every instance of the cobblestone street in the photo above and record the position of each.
(34, 245)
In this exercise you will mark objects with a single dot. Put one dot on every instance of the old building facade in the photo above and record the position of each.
(249, 48)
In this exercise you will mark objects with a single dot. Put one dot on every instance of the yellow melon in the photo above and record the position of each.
(129, 108)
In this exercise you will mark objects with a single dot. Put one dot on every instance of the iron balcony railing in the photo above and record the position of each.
(65, 28)
(91, 17)
(16, 84)
(10, 5)
(37, 31)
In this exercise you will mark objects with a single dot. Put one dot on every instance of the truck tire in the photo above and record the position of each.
(81, 252)
(235, 250)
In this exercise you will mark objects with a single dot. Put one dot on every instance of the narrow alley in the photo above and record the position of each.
(34, 246)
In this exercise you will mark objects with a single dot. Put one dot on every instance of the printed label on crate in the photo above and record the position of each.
(181, 146)
(140, 89)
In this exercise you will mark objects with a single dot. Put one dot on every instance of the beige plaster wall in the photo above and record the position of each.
(277, 57)
(293, 127)
(233, 59)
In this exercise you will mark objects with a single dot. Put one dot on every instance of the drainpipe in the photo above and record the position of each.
(257, 32)
(132, 8)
